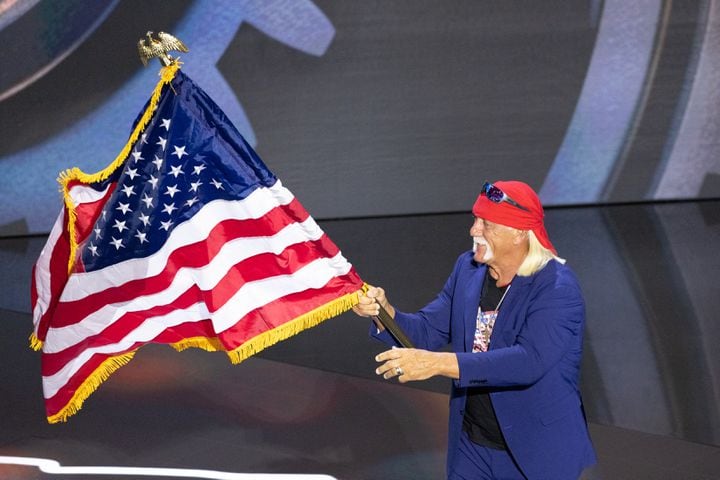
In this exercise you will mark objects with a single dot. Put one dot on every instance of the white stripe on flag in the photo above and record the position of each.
(43, 279)
(86, 194)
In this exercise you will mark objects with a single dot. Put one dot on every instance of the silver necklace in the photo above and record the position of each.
(503, 297)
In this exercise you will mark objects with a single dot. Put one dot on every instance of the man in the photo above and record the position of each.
(514, 316)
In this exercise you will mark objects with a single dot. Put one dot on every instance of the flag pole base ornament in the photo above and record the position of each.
(66, 393)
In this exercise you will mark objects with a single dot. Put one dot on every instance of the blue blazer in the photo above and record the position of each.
(532, 366)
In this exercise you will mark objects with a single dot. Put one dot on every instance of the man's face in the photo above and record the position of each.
(490, 240)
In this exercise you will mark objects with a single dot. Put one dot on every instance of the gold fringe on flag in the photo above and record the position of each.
(35, 343)
(90, 384)
(277, 334)
(75, 174)
(204, 343)
(293, 327)
(244, 351)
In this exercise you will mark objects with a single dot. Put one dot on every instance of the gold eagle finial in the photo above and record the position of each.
(159, 47)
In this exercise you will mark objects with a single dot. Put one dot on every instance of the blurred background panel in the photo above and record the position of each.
(380, 107)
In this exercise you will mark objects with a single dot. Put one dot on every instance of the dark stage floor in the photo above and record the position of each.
(312, 404)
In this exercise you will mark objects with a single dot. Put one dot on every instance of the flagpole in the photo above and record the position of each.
(391, 326)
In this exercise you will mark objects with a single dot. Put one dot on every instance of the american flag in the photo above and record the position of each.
(186, 239)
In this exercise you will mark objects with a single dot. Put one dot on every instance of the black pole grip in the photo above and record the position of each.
(391, 326)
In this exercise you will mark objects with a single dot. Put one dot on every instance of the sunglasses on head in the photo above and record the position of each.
(495, 195)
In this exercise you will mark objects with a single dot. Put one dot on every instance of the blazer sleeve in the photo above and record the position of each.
(555, 314)
(429, 328)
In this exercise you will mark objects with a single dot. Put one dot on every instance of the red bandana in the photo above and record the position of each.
(507, 214)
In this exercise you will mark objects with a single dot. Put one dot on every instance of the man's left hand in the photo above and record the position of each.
(409, 364)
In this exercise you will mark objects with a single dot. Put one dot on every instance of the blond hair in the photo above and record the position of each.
(537, 257)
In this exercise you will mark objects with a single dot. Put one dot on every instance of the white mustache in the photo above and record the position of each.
(479, 241)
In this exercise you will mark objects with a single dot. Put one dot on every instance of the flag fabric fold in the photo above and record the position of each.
(186, 239)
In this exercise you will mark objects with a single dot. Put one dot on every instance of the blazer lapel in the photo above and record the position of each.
(506, 319)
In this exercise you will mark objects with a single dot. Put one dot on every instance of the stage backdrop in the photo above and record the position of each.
(380, 107)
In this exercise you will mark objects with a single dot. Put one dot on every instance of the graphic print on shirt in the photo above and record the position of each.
(483, 329)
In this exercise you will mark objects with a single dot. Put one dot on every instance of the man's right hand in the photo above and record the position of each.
(369, 304)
